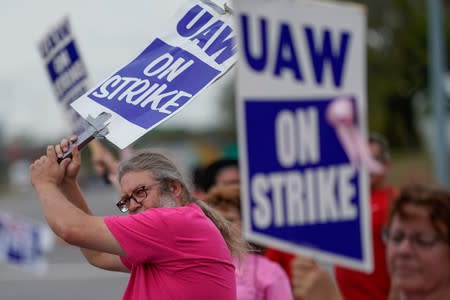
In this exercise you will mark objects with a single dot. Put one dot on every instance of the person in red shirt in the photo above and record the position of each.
(375, 285)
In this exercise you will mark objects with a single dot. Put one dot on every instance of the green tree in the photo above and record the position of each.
(397, 65)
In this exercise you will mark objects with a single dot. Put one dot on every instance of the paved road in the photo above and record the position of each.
(68, 276)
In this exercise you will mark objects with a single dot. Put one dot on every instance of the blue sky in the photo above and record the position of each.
(108, 33)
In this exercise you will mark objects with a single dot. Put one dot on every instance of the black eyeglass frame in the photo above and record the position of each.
(124, 203)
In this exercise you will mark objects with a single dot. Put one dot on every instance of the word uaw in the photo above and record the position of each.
(143, 92)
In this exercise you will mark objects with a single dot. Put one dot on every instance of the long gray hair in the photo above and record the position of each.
(165, 171)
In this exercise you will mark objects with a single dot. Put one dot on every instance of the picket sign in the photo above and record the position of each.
(301, 95)
(197, 49)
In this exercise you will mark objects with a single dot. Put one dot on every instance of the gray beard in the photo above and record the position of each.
(167, 200)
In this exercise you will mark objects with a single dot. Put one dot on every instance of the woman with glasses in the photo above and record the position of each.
(418, 250)
(417, 240)
(174, 246)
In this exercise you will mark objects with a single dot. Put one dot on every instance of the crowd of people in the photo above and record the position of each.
(180, 241)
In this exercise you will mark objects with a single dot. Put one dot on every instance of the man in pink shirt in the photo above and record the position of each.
(174, 246)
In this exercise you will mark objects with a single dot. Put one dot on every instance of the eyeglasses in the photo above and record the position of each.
(138, 195)
(417, 240)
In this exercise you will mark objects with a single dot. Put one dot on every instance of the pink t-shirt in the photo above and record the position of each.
(174, 253)
(258, 278)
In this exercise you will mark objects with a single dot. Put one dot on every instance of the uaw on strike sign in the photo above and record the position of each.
(301, 72)
(197, 49)
(64, 65)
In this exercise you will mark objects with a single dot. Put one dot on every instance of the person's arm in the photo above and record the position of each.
(99, 259)
(72, 192)
(104, 163)
(68, 221)
(312, 282)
